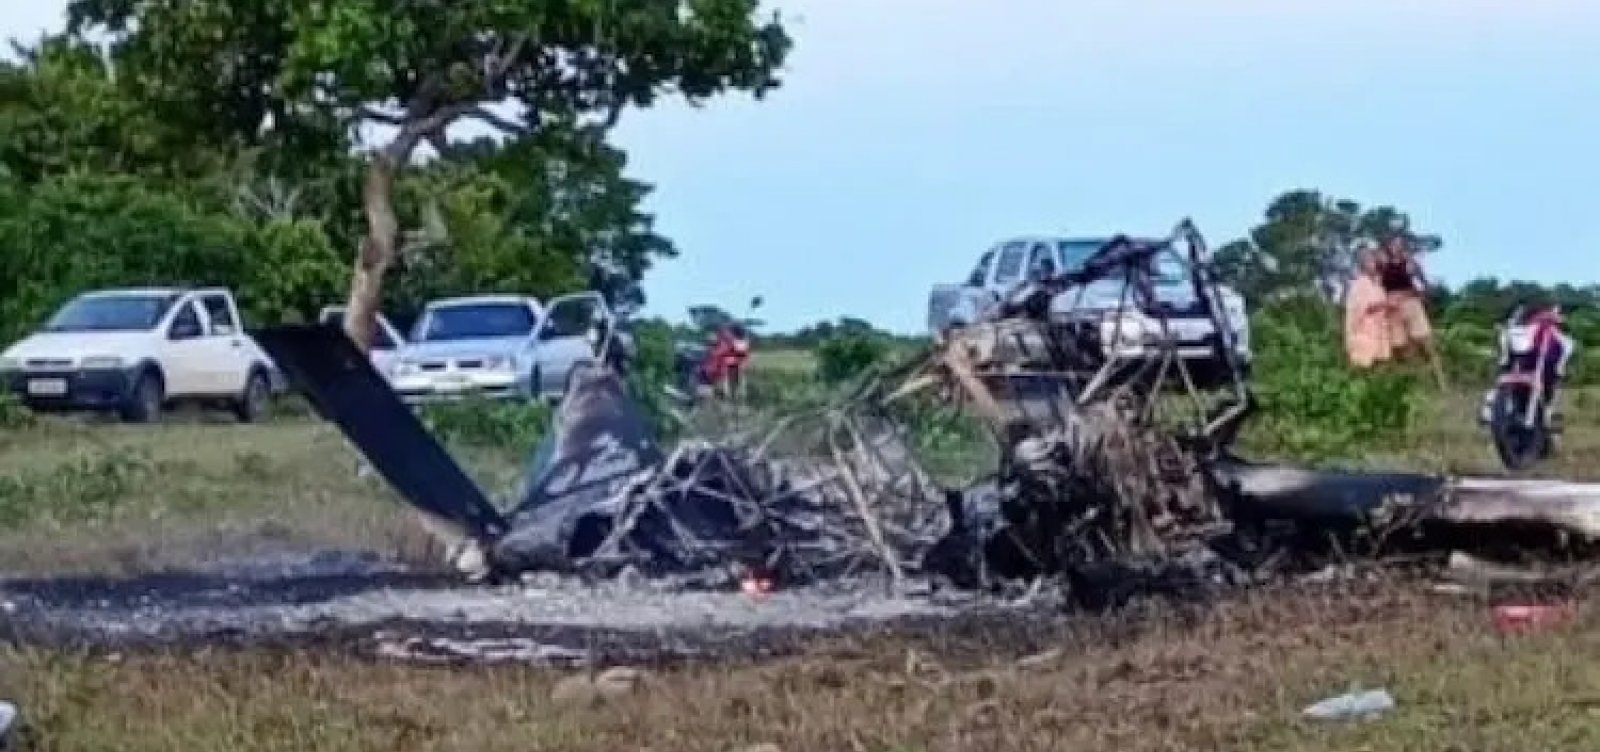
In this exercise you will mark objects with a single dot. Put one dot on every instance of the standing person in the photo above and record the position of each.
(1403, 287)
(1366, 315)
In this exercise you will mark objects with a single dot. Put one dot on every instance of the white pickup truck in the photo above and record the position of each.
(133, 351)
(1008, 264)
(503, 346)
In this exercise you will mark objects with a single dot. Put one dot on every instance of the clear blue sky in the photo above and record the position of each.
(913, 133)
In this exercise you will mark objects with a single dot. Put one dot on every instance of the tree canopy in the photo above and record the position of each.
(261, 145)
(303, 78)
(1308, 241)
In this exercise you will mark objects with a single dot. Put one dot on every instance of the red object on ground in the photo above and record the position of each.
(758, 581)
(1533, 617)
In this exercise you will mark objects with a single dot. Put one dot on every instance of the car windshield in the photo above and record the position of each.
(1170, 270)
(1075, 252)
(476, 320)
(111, 313)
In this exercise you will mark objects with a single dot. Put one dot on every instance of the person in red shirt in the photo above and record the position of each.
(724, 363)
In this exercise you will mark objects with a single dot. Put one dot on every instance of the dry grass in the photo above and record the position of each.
(1234, 678)
(124, 499)
(1448, 439)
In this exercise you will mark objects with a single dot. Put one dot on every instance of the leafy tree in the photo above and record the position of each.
(709, 318)
(61, 110)
(812, 335)
(307, 74)
(79, 232)
(1308, 242)
(846, 356)
(567, 197)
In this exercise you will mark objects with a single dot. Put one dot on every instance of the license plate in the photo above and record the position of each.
(451, 383)
(47, 387)
(1516, 378)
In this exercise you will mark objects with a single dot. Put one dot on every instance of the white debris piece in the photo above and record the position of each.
(8, 718)
(1352, 706)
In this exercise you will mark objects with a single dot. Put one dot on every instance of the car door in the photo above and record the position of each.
(184, 351)
(571, 330)
(1009, 267)
(973, 300)
(1041, 262)
(229, 357)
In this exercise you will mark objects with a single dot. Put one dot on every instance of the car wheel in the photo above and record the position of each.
(252, 403)
(144, 401)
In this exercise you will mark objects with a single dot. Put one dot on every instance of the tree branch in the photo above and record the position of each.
(499, 64)
(387, 118)
(439, 143)
(414, 130)
(503, 124)
(613, 114)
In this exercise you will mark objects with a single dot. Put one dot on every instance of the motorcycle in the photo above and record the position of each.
(716, 369)
(1517, 410)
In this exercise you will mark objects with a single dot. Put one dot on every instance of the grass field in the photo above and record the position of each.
(108, 498)
(1233, 678)
(784, 361)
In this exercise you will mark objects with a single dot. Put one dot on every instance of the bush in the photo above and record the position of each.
(1312, 404)
(654, 358)
(844, 357)
(952, 443)
(510, 425)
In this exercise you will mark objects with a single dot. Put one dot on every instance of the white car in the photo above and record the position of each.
(500, 346)
(386, 341)
(135, 350)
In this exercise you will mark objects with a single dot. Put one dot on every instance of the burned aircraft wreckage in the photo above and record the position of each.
(1114, 466)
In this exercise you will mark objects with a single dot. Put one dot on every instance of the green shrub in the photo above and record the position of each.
(1467, 350)
(952, 443)
(647, 387)
(485, 423)
(653, 358)
(1313, 405)
(88, 488)
(845, 357)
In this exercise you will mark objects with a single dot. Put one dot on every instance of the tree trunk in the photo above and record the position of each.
(366, 295)
(377, 248)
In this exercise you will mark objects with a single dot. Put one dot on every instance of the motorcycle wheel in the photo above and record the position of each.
(1519, 445)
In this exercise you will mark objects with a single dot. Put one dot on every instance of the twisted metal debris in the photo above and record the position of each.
(1111, 460)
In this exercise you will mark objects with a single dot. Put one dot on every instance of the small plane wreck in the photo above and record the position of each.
(1100, 483)
(601, 495)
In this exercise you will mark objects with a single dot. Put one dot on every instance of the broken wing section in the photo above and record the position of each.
(344, 388)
